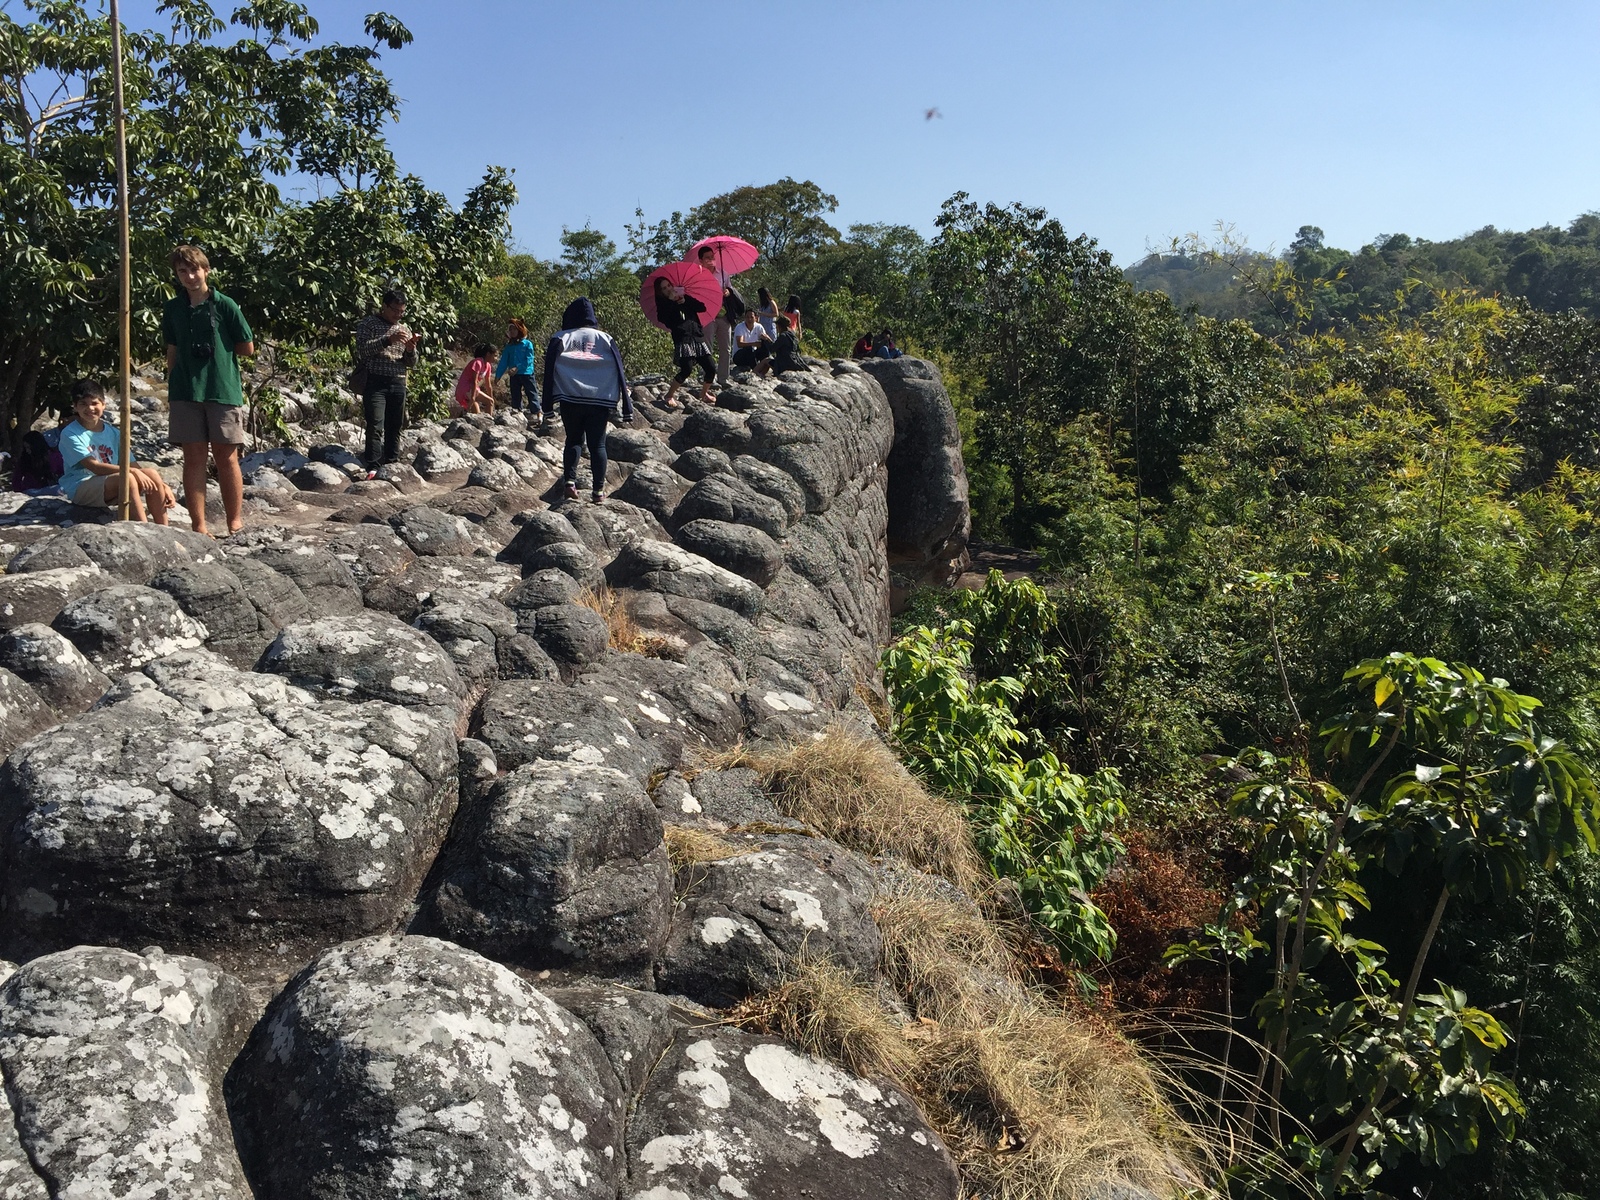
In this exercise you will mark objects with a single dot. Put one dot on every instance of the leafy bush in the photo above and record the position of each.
(1049, 830)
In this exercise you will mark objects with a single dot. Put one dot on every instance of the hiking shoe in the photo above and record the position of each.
(572, 490)
(596, 497)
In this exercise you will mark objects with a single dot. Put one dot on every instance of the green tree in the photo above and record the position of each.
(211, 122)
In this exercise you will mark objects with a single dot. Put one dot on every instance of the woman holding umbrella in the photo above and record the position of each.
(680, 313)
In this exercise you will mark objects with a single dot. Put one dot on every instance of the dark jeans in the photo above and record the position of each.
(524, 385)
(585, 422)
(384, 406)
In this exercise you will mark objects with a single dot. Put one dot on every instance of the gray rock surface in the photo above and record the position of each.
(571, 633)
(634, 1028)
(124, 626)
(929, 517)
(325, 582)
(655, 487)
(56, 669)
(397, 1067)
(729, 1114)
(215, 596)
(113, 1065)
(728, 497)
(405, 593)
(561, 864)
(131, 552)
(743, 919)
(524, 720)
(574, 558)
(742, 549)
(221, 812)
(427, 531)
(320, 477)
(368, 656)
(22, 712)
(699, 462)
(37, 597)
(674, 571)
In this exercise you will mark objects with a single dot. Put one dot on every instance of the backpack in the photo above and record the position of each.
(733, 304)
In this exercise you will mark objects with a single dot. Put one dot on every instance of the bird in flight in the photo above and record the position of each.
(929, 114)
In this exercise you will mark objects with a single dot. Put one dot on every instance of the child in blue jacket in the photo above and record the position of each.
(517, 358)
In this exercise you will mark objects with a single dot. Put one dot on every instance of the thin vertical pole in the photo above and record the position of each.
(125, 254)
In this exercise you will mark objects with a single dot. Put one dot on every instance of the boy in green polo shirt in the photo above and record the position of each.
(205, 333)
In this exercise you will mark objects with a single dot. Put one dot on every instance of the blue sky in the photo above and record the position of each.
(1133, 122)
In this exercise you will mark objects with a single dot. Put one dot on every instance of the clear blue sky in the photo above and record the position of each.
(1133, 122)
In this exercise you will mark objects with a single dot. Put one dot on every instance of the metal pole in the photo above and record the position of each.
(125, 254)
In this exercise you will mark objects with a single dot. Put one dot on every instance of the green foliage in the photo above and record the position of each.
(1480, 802)
(1049, 830)
(211, 123)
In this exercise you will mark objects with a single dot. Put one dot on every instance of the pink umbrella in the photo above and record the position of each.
(733, 254)
(700, 284)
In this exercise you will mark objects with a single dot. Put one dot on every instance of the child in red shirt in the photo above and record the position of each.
(472, 389)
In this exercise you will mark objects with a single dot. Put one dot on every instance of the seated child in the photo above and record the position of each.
(472, 389)
(89, 448)
(863, 347)
(885, 347)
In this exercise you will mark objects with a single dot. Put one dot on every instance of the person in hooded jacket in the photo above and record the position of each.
(583, 372)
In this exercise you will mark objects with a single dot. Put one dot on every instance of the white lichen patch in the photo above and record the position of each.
(830, 1096)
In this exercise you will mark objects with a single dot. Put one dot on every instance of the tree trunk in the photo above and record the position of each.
(21, 360)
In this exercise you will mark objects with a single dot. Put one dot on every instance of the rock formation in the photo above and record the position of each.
(334, 852)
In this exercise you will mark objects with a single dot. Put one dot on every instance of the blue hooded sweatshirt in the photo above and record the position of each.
(582, 364)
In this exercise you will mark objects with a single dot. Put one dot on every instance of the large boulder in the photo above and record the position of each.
(398, 1067)
(742, 549)
(523, 719)
(223, 813)
(368, 656)
(665, 700)
(571, 633)
(427, 531)
(369, 550)
(113, 1065)
(575, 558)
(122, 627)
(730, 1114)
(654, 487)
(630, 445)
(929, 517)
(37, 597)
(216, 597)
(634, 1028)
(406, 593)
(56, 669)
(325, 582)
(22, 712)
(561, 864)
(727, 497)
(674, 571)
(745, 918)
(129, 551)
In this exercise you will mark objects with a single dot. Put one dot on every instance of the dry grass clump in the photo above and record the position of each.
(853, 788)
(625, 632)
(687, 846)
(1035, 1102)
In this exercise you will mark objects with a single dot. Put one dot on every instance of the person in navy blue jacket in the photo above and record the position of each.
(583, 372)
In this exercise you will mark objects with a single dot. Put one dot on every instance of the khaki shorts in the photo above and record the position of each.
(91, 492)
(192, 421)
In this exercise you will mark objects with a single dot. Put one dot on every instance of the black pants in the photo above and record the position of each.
(707, 367)
(384, 406)
(524, 385)
(749, 356)
(585, 423)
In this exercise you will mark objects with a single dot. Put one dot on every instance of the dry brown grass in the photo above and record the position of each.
(853, 789)
(625, 632)
(1035, 1101)
(687, 846)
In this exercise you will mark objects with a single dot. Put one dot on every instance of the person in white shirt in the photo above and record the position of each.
(752, 343)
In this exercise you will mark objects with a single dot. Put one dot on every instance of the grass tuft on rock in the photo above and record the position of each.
(625, 632)
(852, 788)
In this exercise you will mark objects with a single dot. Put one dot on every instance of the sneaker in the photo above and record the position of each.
(596, 497)
(572, 491)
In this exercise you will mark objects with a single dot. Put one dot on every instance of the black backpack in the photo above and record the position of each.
(733, 305)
